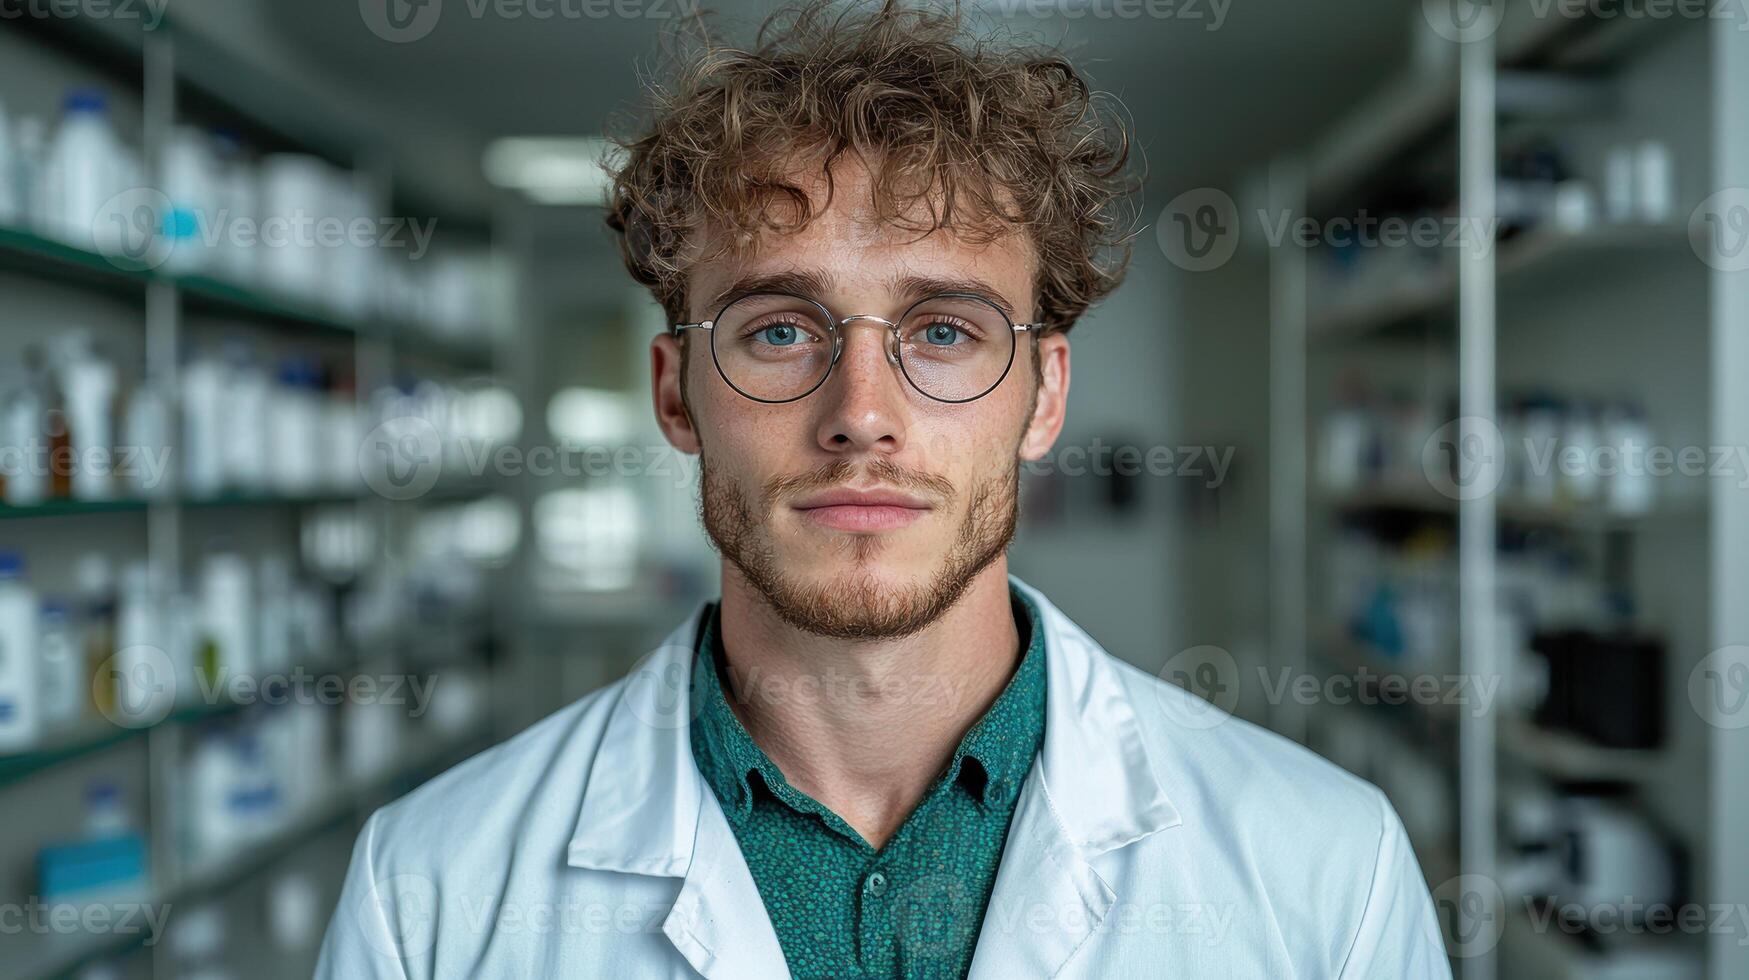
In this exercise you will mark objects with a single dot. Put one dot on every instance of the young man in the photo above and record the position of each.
(879, 754)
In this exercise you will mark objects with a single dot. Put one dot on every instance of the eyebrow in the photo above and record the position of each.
(810, 283)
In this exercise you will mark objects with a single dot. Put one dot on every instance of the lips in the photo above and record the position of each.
(862, 510)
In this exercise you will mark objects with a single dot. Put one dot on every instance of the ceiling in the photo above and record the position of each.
(1206, 102)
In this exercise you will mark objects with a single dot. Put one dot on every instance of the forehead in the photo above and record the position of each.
(852, 253)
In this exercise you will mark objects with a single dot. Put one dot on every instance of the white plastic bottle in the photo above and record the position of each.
(28, 147)
(204, 380)
(145, 685)
(20, 718)
(89, 384)
(190, 179)
(82, 169)
(8, 184)
(243, 432)
(146, 433)
(226, 601)
(63, 666)
(21, 437)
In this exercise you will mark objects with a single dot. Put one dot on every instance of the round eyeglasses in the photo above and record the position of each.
(778, 347)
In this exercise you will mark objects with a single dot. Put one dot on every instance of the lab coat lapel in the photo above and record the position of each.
(719, 922)
(646, 811)
(1046, 901)
(1092, 792)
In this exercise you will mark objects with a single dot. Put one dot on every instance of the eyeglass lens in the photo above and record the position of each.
(776, 347)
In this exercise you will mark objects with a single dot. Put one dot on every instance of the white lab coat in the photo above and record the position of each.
(1151, 839)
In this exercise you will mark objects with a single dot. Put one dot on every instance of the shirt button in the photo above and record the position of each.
(876, 885)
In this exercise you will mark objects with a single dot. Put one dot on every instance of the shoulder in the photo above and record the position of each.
(1225, 771)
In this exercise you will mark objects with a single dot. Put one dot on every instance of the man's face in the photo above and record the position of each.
(770, 472)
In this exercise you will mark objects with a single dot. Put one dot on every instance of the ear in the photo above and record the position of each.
(666, 356)
(1052, 404)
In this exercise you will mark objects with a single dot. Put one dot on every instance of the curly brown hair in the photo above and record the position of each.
(978, 137)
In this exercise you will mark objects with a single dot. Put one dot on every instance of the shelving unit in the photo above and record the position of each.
(169, 70)
(1617, 304)
(341, 808)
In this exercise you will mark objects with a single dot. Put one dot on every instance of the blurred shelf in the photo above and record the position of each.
(1564, 756)
(76, 508)
(1547, 252)
(336, 807)
(1410, 298)
(57, 954)
(1534, 258)
(460, 353)
(1542, 950)
(31, 253)
(93, 737)
(273, 500)
(213, 297)
(71, 508)
(35, 254)
(1424, 499)
(1355, 658)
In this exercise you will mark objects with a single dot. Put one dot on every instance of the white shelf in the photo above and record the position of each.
(1545, 952)
(1534, 258)
(1565, 756)
(1424, 499)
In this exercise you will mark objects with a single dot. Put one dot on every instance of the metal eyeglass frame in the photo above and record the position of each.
(835, 324)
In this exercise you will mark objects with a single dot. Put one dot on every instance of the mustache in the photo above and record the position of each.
(842, 471)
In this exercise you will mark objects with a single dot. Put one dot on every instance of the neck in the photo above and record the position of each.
(866, 726)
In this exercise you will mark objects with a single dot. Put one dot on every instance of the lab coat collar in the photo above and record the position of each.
(646, 809)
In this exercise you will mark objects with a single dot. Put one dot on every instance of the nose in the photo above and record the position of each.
(866, 407)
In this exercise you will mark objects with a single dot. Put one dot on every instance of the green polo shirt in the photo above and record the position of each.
(841, 908)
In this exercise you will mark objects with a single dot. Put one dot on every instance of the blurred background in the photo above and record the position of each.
(1417, 433)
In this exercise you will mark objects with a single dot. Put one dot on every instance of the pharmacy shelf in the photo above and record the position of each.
(1424, 499)
(62, 953)
(92, 738)
(1562, 756)
(423, 347)
(1580, 66)
(1354, 658)
(1546, 952)
(30, 253)
(71, 508)
(80, 508)
(1532, 258)
(1420, 102)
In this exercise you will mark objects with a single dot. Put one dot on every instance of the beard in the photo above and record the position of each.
(858, 604)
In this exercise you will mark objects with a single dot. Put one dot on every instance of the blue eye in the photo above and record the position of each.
(779, 334)
(941, 334)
